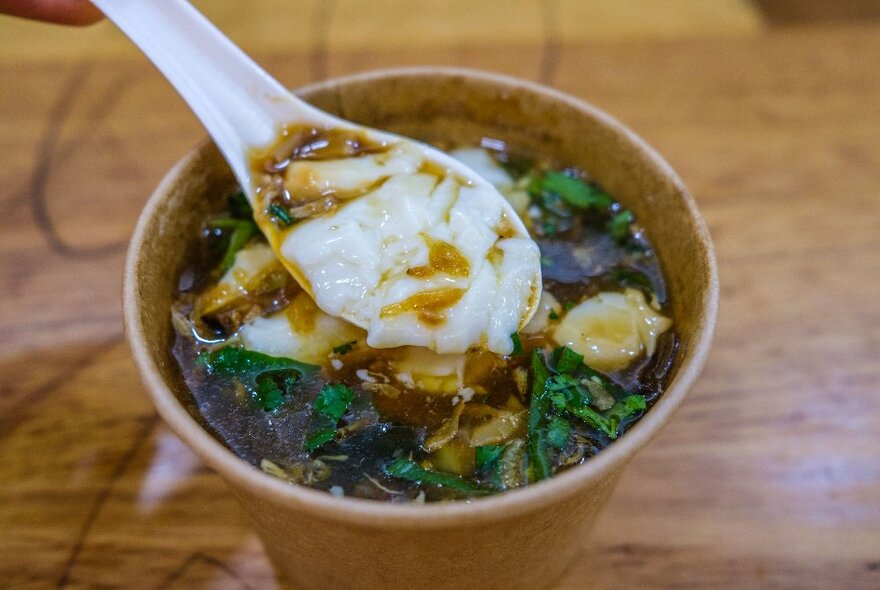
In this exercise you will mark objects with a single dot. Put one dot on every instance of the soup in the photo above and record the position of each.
(300, 394)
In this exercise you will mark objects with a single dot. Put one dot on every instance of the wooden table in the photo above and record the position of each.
(768, 477)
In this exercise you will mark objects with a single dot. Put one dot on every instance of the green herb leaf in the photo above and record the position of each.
(625, 408)
(333, 400)
(538, 409)
(609, 423)
(517, 344)
(533, 186)
(487, 457)
(558, 432)
(565, 360)
(412, 471)
(240, 362)
(269, 393)
(281, 215)
(575, 192)
(502, 466)
(540, 400)
(270, 379)
(344, 348)
(319, 435)
(239, 231)
(239, 207)
(594, 419)
(568, 305)
(632, 278)
(329, 407)
(567, 357)
(575, 386)
(567, 390)
(226, 223)
(618, 225)
(553, 315)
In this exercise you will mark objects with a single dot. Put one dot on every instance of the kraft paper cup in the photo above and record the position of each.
(524, 538)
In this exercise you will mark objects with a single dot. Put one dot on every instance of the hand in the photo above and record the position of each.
(66, 12)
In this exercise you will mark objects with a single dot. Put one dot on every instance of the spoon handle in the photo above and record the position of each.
(236, 100)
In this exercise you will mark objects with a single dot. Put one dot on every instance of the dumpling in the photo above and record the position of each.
(419, 259)
(247, 274)
(612, 329)
(547, 308)
(300, 331)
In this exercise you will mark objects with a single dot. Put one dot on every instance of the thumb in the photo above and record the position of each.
(67, 12)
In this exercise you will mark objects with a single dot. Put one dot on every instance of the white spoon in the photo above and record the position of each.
(343, 259)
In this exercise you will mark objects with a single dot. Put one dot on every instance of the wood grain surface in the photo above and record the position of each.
(769, 477)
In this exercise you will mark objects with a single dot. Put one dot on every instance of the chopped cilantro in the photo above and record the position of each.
(553, 315)
(272, 387)
(563, 195)
(625, 408)
(566, 360)
(412, 471)
(568, 387)
(237, 362)
(500, 466)
(236, 230)
(618, 225)
(558, 432)
(571, 362)
(533, 187)
(563, 388)
(333, 400)
(239, 232)
(540, 401)
(281, 215)
(609, 422)
(594, 419)
(568, 305)
(344, 348)
(327, 410)
(270, 379)
(575, 191)
(227, 223)
(517, 344)
(632, 278)
(539, 456)
(487, 457)
(566, 390)
(539, 408)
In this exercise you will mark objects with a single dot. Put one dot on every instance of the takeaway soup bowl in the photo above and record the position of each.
(524, 538)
